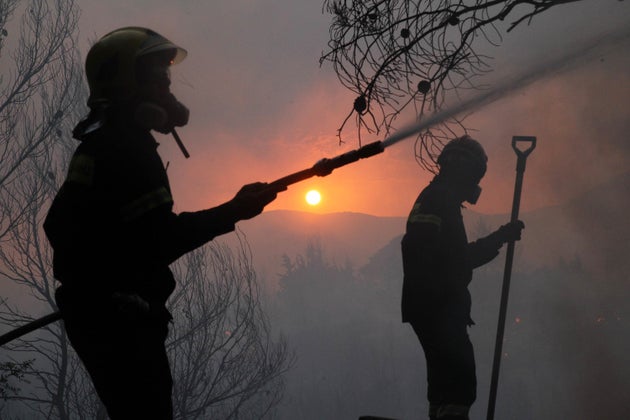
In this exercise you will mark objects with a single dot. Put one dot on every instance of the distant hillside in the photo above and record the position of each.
(593, 227)
(344, 237)
(569, 289)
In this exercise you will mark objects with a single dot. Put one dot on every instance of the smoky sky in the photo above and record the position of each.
(262, 107)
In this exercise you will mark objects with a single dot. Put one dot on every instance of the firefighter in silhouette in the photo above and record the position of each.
(113, 229)
(438, 262)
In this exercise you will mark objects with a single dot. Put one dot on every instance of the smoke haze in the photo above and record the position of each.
(261, 107)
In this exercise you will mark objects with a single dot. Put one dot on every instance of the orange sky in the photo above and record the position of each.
(579, 147)
(261, 108)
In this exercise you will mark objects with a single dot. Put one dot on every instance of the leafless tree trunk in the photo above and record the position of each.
(399, 55)
(226, 364)
(40, 86)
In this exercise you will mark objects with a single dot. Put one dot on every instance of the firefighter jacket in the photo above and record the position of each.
(112, 226)
(437, 258)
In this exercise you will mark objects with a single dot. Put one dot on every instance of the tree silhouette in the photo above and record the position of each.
(10, 370)
(225, 361)
(407, 55)
(39, 91)
(311, 285)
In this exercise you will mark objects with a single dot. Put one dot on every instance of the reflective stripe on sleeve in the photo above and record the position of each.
(146, 203)
(425, 218)
(81, 170)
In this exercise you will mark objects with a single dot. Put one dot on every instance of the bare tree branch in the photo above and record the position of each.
(41, 95)
(39, 88)
(407, 56)
(225, 361)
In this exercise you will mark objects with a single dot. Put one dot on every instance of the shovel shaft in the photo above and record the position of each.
(507, 272)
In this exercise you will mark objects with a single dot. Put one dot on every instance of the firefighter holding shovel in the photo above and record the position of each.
(438, 262)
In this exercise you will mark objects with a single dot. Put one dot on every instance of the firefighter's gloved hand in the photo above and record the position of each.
(252, 199)
(511, 231)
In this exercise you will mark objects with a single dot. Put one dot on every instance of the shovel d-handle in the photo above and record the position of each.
(521, 159)
(523, 139)
(522, 153)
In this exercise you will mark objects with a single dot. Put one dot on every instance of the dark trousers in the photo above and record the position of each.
(452, 383)
(125, 356)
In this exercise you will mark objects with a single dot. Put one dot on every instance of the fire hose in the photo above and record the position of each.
(322, 167)
(326, 166)
(31, 326)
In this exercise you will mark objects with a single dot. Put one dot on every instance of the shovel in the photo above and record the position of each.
(521, 155)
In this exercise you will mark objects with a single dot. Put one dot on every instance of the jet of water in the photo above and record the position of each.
(571, 60)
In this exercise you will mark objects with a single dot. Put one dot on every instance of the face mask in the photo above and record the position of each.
(474, 194)
(162, 116)
(158, 108)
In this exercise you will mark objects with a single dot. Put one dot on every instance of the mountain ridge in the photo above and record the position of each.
(592, 228)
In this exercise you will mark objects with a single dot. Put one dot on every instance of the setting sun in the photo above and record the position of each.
(313, 197)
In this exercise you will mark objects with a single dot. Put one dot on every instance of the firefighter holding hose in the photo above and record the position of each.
(438, 262)
(113, 229)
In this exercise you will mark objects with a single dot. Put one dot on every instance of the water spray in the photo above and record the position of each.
(571, 60)
(325, 166)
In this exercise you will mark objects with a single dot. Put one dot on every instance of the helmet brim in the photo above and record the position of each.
(178, 52)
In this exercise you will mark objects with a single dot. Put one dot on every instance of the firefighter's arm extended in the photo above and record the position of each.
(251, 199)
(172, 235)
(485, 249)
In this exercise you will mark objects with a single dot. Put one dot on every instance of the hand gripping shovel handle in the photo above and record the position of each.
(521, 155)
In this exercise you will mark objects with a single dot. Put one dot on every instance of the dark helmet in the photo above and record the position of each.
(111, 64)
(463, 156)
